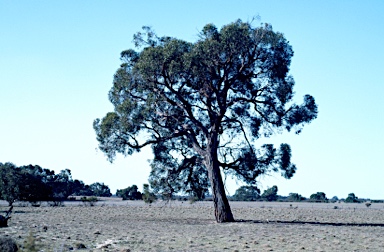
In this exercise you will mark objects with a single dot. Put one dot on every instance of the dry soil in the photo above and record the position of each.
(114, 225)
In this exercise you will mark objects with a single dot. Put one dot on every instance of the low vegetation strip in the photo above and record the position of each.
(181, 226)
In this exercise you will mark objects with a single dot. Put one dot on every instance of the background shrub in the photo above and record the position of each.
(8, 245)
(129, 193)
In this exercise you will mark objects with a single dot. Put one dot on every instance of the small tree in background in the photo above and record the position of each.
(334, 199)
(100, 190)
(9, 183)
(246, 193)
(318, 197)
(130, 193)
(351, 198)
(78, 188)
(62, 185)
(295, 197)
(270, 194)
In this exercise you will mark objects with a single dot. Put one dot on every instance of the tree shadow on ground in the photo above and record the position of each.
(313, 223)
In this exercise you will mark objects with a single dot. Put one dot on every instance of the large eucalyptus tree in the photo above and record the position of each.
(201, 106)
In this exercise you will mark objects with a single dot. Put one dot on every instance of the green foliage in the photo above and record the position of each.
(270, 194)
(148, 196)
(172, 89)
(246, 193)
(100, 190)
(130, 193)
(62, 184)
(33, 183)
(95, 189)
(22, 183)
(318, 197)
(9, 182)
(351, 198)
(8, 245)
(295, 197)
(168, 176)
(203, 105)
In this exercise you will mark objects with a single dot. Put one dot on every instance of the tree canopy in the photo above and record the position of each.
(351, 198)
(129, 193)
(295, 197)
(270, 194)
(202, 106)
(246, 193)
(318, 197)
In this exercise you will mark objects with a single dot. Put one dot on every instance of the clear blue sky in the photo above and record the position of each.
(57, 60)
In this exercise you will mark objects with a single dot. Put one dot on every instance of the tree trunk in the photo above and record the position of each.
(223, 211)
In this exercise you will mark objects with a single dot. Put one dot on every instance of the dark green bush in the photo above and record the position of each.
(351, 198)
(295, 197)
(246, 193)
(318, 197)
(270, 194)
(129, 193)
(8, 245)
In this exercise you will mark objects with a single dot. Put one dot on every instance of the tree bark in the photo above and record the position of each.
(223, 211)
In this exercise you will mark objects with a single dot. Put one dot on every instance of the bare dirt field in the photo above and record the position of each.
(115, 225)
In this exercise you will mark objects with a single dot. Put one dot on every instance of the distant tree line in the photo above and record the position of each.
(32, 183)
(252, 193)
(243, 193)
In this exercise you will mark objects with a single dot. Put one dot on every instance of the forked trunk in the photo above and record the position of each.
(223, 211)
